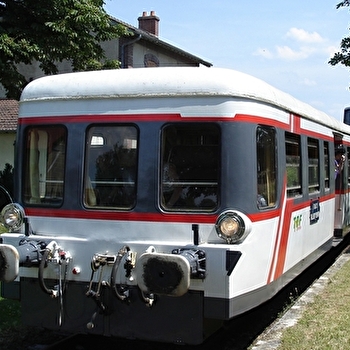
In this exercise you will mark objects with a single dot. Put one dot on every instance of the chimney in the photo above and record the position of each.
(149, 23)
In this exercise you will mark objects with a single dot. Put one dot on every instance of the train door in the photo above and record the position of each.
(340, 171)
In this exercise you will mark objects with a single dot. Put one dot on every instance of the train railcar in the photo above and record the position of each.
(158, 203)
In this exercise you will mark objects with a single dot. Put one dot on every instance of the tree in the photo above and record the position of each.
(342, 57)
(49, 32)
(6, 178)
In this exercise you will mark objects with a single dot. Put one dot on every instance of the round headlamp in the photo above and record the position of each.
(12, 216)
(232, 227)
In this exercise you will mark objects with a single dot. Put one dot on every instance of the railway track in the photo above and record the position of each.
(237, 334)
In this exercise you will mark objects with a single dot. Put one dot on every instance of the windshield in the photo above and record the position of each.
(190, 156)
(45, 155)
(111, 167)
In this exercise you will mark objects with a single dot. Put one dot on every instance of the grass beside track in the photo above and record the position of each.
(11, 330)
(325, 323)
(10, 313)
(2, 229)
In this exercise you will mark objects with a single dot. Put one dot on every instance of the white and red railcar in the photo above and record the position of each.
(157, 203)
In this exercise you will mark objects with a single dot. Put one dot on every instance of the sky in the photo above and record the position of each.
(286, 43)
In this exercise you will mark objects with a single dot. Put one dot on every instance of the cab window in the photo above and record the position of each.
(190, 163)
(111, 167)
(44, 168)
(266, 166)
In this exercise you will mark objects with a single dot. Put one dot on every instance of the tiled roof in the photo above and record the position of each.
(8, 114)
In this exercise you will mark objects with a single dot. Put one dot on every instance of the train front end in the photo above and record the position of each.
(110, 238)
(145, 207)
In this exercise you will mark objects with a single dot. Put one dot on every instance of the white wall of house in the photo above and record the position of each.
(164, 60)
(7, 149)
(111, 49)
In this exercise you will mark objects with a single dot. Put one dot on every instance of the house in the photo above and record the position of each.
(142, 48)
(8, 126)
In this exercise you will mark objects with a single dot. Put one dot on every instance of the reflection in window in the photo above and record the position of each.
(110, 167)
(45, 162)
(314, 177)
(266, 166)
(293, 163)
(190, 157)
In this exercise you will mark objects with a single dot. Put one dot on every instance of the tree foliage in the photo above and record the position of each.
(50, 31)
(342, 57)
(6, 178)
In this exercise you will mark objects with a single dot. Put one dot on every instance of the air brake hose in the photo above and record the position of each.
(116, 264)
(41, 274)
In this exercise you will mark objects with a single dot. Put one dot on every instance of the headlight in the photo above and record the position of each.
(12, 216)
(233, 227)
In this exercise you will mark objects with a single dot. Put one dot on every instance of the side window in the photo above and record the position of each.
(313, 170)
(293, 165)
(340, 167)
(44, 168)
(348, 163)
(111, 167)
(326, 165)
(266, 166)
(190, 163)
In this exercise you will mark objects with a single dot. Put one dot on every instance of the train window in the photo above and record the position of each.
(313, 170)
(190, 163)
(45, 157)
(266, 166)
(293, 165)
(326, 165)
(110, 167)
(348, 162)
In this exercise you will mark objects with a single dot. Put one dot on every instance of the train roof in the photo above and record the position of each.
(169, 82)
